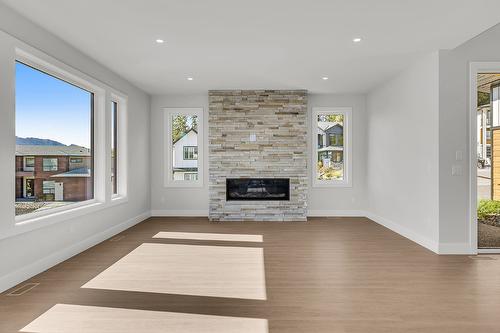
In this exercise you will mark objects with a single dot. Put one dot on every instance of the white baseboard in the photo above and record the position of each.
(180, 213)
(24, 273)
(334, 213)
(455, 248)
(490, 251)
(204, 213)
(405, 232)
(450, 248)
(9, 280)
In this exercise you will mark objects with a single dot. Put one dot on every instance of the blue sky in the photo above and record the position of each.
(48, 108)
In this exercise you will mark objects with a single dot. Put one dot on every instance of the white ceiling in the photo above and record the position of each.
(233, 44)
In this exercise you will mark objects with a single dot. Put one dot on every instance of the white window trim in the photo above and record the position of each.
(50, 158)
(122, 163)
(475, 68)
(52, 67)
(347, 112)
(26, 167)
(48, 181)
(184, 153)
(47, 64)
(168, 147)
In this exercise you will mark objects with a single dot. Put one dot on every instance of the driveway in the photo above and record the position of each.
(484, 183)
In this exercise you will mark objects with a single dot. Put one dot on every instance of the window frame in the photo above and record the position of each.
(185, 149)
(189, 174)
(114, 146)
(50, 66)
(347, 142)
(121, 170)
(168, 113)
(52, 187)
(27, 167)
(51, 169)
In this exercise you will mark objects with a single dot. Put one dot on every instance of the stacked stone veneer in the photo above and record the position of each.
(278, 119)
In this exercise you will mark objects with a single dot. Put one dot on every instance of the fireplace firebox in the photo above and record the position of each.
(257, 189)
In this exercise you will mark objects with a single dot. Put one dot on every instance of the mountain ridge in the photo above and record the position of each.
(37, 142)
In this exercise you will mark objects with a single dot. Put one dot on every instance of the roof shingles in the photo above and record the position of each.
(36, 150)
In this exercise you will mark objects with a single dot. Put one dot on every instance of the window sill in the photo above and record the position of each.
(331, 184)
(118, 200)
(30, 222)
(184, 184)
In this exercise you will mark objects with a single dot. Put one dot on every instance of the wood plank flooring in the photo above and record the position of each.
(325, 275)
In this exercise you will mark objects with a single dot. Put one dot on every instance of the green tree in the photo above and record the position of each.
(194, 123)
(335, 118)
(483, 98)
(179, 127)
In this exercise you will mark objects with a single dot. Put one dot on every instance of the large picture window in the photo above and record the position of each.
(331, 158)
(183, 158)
(54, 126)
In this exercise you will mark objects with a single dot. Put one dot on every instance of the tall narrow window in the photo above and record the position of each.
(114, 147)
(331, 156)
(183, 158)
(54, 129)
(29, 163)
(487, 158)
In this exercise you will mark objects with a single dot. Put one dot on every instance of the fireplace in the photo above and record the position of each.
(257, 189)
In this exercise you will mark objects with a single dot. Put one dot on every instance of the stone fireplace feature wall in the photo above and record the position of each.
(276, 119)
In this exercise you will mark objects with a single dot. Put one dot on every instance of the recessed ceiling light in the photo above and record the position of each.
(356, 40)
(190, 79)
(160, 41)
(324, 78)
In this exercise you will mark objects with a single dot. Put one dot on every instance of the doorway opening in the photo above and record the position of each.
(487, 161)
(30, 188)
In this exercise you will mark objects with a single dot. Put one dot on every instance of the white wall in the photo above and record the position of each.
(454, 227)
(194, 201)
(407, 143)
(402, 150)
(26, 254)
(404, 146)
(341, 201)
(191, 201)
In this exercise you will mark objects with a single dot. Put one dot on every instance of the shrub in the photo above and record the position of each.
(330, 173)
(487, 207)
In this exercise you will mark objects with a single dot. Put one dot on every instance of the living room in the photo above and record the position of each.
(249, 167)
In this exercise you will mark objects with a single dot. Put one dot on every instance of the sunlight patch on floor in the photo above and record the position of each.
(65, 318)
(209, 236)
(215, 271)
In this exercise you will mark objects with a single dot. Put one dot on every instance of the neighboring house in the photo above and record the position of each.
(60, 173)
(484, 131)
(185, 156)
(330, 142)
(495, 139)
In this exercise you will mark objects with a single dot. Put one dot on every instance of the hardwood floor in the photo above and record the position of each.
(325, 275)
